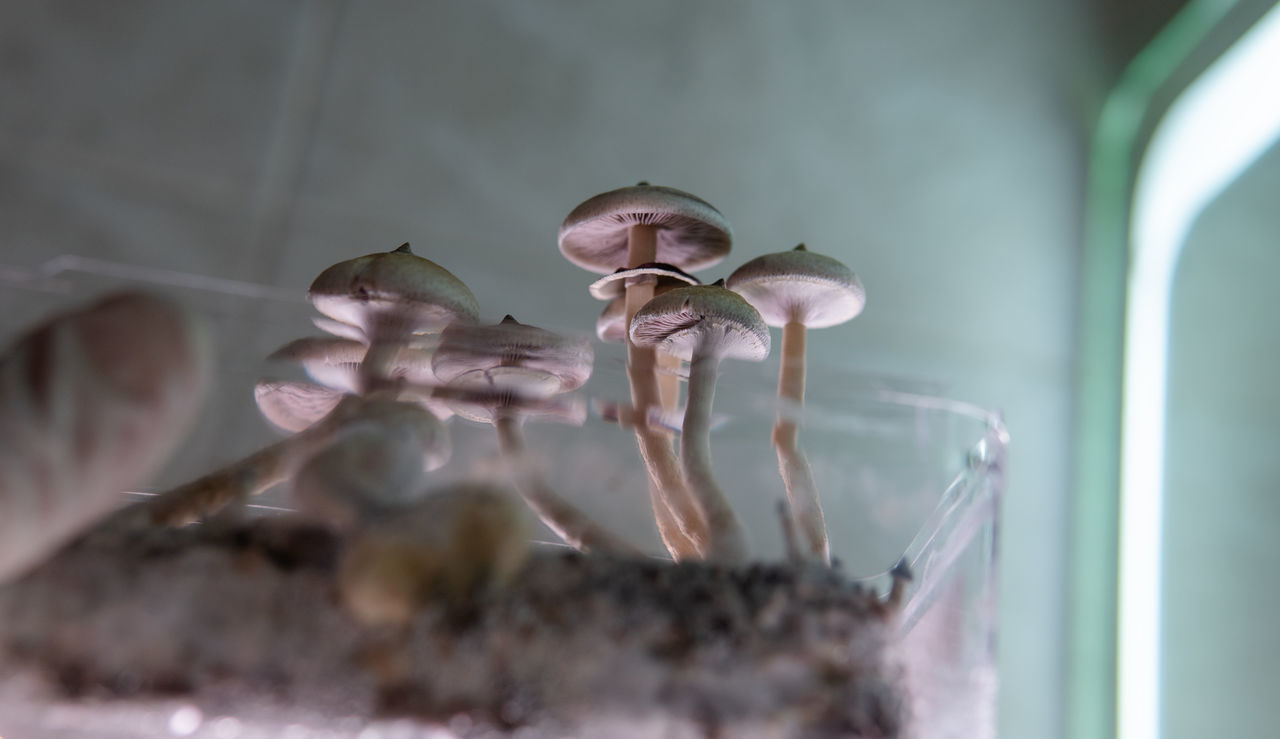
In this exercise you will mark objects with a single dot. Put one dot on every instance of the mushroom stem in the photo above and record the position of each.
(569, 523)
(669, 380)
(689, 533)
(375, 368)
(250, 476)
(727, 540)
(797, 476)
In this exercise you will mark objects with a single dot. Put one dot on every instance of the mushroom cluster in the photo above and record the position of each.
(405, 355)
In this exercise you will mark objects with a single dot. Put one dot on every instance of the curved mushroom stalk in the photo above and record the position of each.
(695, 459)
(793, 465)
(565, 519)
(679, 520)
(797, 290)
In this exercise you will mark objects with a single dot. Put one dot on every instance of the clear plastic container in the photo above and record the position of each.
(902, 473)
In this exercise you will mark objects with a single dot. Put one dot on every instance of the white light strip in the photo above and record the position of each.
(1223, 122)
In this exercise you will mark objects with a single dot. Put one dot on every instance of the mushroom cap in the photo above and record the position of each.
(711, 316)
(799, 285)
(691, 233)
(294, 406)
(376, 463)
(338, 328)
(483, 394)
(510, 344)
(335, 362)
(611, 286)
(398, 290)
(611, 326)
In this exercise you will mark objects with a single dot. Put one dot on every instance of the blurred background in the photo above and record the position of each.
(939, 149)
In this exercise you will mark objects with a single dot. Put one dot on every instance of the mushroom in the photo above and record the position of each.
(374, 465)
(522, 361)
(704, 325)
(449, 548)
(627, 228)
(796, 290)
(390, 297)
(92, 402)
(267, 466)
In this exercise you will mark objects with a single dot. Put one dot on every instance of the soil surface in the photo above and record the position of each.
(241, 620)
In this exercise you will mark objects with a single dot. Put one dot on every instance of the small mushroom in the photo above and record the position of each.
(390, 297)
(92, 402)
(704, 325)
(262, 469)
(448, 549)
(521, 361)
(626, 228)
(374, 465)
(797, 290)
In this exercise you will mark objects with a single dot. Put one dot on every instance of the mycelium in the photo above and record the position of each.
(798, 290)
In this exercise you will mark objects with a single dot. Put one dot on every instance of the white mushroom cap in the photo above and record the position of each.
(691, 234)
(710, 316)
(395, 291)
(802, 286)
(511, 344)
(335, 362)
(611, 286)
(294, 406)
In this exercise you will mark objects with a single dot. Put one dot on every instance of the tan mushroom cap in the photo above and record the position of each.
(691, 234)
(397, 290)
(688, 317)
(485, 394)
(664, 275)
(511, 344)
(799, 285)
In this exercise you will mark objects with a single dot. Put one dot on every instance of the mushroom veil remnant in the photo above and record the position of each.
(797, 290)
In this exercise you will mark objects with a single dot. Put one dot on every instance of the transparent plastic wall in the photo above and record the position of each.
(903, 473)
